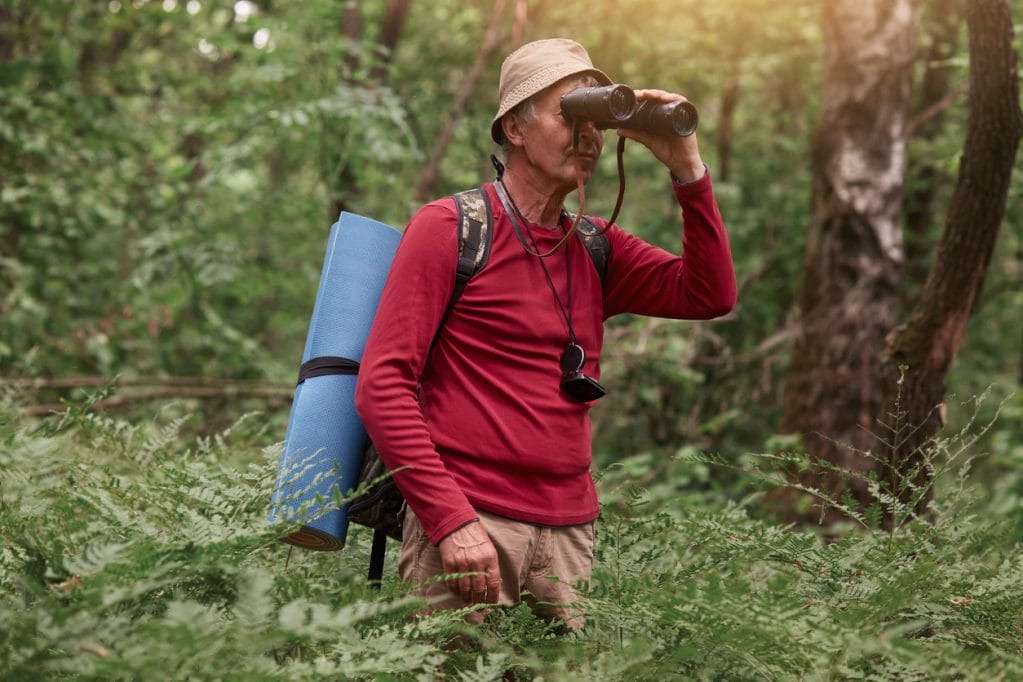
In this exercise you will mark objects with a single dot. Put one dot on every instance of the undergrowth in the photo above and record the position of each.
(133, 551)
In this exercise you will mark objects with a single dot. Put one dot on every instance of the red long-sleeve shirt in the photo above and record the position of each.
(491, 428)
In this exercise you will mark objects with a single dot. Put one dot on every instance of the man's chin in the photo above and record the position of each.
(586, 173)
(582, 165)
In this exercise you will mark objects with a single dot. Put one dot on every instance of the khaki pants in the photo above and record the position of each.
(538, 565)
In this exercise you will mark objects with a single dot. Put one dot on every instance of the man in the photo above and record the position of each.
(490, 450)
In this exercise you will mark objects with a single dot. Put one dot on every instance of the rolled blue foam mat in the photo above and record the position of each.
(325, 438)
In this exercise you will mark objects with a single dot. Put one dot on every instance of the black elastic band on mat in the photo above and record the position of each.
(327, 364)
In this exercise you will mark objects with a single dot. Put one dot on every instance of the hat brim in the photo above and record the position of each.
(535, 84)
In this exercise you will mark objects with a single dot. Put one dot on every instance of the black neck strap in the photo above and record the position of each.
(515, 215)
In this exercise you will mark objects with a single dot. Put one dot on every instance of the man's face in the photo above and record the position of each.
(547, 139)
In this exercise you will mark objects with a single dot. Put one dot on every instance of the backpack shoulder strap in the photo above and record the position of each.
(474, 231)
(474, 223)
(596, 243)
(475, 228)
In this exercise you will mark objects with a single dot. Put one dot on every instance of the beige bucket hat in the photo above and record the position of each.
(535, 66)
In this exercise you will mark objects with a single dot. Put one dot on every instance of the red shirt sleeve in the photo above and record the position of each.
(698, 284)
(416, 293)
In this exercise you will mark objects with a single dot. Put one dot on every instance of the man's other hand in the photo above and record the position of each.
(469, 550)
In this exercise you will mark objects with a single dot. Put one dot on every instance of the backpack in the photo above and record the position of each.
(380, 507)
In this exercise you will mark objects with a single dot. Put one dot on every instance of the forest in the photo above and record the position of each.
(824, 484)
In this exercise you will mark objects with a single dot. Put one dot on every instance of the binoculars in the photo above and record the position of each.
(614, 106)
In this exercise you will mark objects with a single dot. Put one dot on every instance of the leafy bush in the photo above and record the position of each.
(133, 552)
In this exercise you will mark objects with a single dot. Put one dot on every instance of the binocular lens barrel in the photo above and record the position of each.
(614, 106)
(608, 105)
(664, 118)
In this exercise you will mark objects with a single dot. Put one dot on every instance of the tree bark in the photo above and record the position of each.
(133, 390)
(726, 124)
(853, 257)
(922, 349)
(351, 28)
(273, 396)
(390, 32)
(943, 28)
(8, 31)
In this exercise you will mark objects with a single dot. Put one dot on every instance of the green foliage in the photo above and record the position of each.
(128, 555)
(134, 552)
(171, 169)
(170, 172)
(169, 185)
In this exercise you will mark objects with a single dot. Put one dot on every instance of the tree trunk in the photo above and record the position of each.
(351, 29)
(8, 31)
(854, 253)
(390, 32)
(9, 235)
(943, 23)
(726, 124)
(922, 349)
(427, 181)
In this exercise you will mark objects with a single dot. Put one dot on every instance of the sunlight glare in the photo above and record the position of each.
(261, 38)
(243, 9)
(206, 48)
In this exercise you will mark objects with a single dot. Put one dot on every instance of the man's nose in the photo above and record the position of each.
(589, 131)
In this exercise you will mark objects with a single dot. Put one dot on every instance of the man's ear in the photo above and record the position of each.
(512, 126)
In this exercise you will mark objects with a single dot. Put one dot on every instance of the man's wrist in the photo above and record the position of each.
(457, 528)
(692, 174)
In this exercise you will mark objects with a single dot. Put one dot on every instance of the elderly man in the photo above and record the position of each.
(491, 449)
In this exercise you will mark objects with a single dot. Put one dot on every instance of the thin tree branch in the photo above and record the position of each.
(39, 383)
(934, 110)
(144, 389)
(273, 395)
(491, 41)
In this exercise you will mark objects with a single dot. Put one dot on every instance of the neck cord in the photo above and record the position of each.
(582, 195)
(515, 214)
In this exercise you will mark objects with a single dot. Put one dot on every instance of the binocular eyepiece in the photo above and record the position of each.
(615, 106)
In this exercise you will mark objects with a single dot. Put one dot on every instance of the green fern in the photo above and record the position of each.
(131, 552)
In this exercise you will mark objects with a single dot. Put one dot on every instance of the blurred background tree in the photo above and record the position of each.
(171, 168)
(864, 390)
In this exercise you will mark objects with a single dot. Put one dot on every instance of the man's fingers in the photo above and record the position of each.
(478, 587)
(493, 586)
(478, 595)
(492, 580)
(465, 586)
(654, 93)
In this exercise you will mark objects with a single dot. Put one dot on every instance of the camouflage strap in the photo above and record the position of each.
(474, 227)
(596, 243)
(475, 223)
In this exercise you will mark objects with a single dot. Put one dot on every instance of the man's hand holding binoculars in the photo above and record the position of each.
(680, 153)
